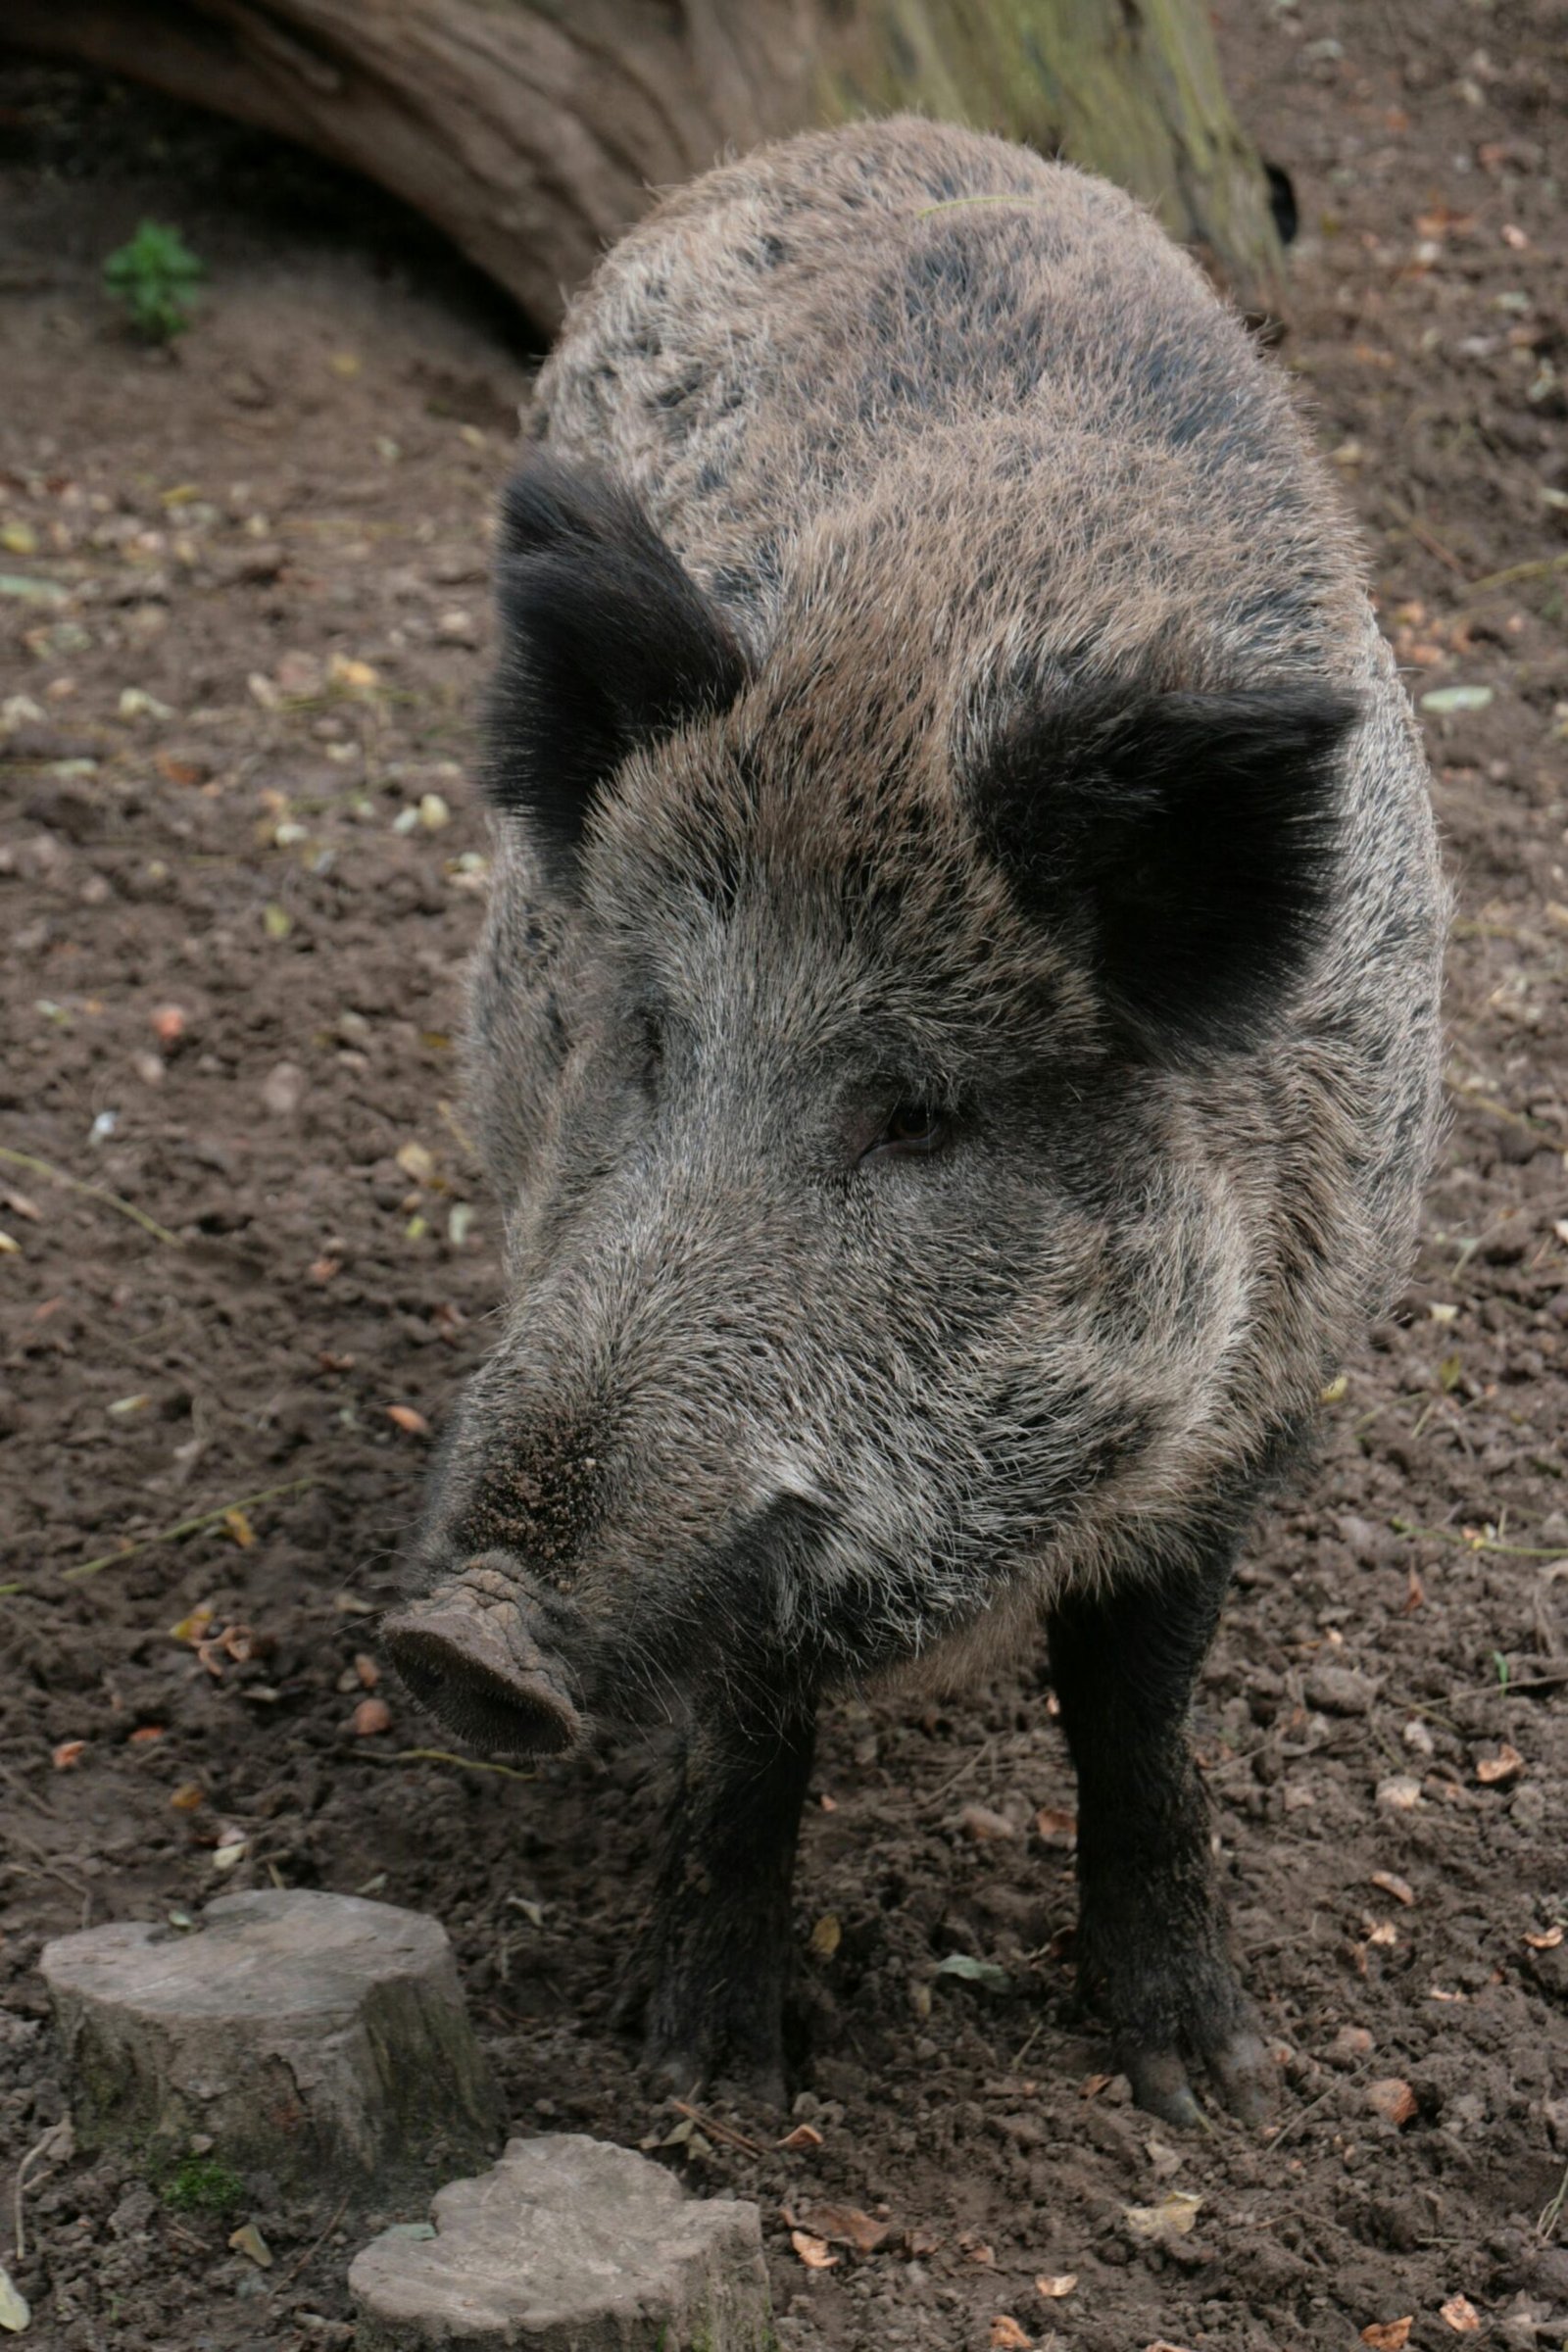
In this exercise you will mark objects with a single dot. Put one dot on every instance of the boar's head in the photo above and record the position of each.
(836, 1037)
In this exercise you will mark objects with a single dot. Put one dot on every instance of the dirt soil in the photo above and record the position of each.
(239, 868)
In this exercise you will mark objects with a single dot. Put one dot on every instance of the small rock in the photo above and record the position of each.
(1391, 2098)
(284, 1089)
(1351, 2044)
(984, 1825)
(569, 2245)
(1340, 1690)
(1400, 1793)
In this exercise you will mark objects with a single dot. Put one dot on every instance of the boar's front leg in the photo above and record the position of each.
(716, 1955)
(1152, 1930)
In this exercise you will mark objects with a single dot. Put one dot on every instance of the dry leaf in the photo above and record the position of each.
(1461, 2315)
(1159, 2344)
(1092, 2084)
(235, 1641)
(842, 2226)
(68, 1755)
(239, 1527)
(804, 2136)
(371, 1716)
(1054, 2287)
(1546, 1942)
(827, 1935)
(1490, 1770)
(1392, 2098)
(1008, 2336)
(358, 676)
(1400, 1888)
(1056, 1827)
(248, 2240)
(366, 1669)
(811, 2251)
(1172, 2217)
(188, 1798)
(15, 2314)
(193, 1628)
(1388, 2335)
(416, 1163)
(144, 1734)
(413, 1424)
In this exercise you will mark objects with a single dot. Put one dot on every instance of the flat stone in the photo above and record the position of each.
(319, 2035)
(569, 2245)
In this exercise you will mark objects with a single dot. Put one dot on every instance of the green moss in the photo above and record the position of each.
(200, 2184)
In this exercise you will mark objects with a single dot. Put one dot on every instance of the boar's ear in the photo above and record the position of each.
(1192, 838)
(606, 643)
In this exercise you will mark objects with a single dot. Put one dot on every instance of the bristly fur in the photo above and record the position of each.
(607, 644)
(934, 669)
(1190, 837)
(939, 699)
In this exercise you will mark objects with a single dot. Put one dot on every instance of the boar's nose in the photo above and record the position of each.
(465, 1652)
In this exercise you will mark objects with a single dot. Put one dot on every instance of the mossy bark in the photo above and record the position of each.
(534, 131)
(1130, 89)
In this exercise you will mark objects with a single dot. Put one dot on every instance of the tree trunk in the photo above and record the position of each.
(532, 131)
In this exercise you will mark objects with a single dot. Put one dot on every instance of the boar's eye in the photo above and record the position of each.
(911, 1129)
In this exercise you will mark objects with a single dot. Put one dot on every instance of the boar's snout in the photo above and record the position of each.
(465, 1652)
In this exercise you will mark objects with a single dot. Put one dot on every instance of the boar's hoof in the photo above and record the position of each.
(454, 1654)
(1237, 2066)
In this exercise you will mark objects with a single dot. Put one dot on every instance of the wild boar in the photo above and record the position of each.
(954, 1038)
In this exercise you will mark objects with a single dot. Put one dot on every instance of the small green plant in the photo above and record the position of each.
(200, 2184)
(155, 276)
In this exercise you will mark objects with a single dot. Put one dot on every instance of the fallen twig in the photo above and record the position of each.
(438, 1756)
(1500, 1110)
(182, 1527)
(1288, 2129)
(1418, 530)
(1454, 1534)
(55, 2141)
(92, 1192)
(1540, 568)
(314, 2247)
(718, 2131)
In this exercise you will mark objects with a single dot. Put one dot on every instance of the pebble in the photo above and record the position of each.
(284, 1089)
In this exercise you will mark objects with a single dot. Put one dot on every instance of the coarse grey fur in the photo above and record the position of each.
(944, 434)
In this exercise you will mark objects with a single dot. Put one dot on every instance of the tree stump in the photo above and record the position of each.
(533, 133)
(317, 2036)
(569, 2245)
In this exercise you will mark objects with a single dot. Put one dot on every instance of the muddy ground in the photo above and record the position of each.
(241, 690)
